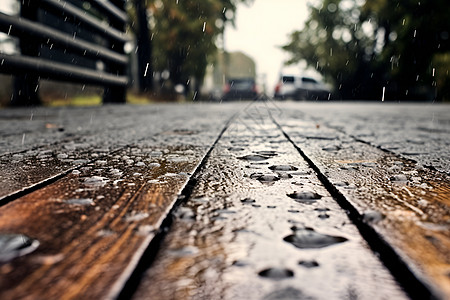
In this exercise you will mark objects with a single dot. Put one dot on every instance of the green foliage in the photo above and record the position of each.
(363, 46)
(185, 34)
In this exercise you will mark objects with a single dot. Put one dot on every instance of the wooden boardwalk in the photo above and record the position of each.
(240, 200)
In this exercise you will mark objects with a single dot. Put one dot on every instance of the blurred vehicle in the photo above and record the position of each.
(301, 88)
(240, 89)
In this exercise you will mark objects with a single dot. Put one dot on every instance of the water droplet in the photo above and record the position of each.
(331, 148)
(305, 196)
(372, 216)
(308, 238)
(200, 199)
(62, 156)
(17, 157)
(101, 162)
(185, 251)
(136, 216)
(115, 172)
(284, 175)
(236, 149)
(283, 168)
(80, 201)
(96, 181)
(145, 230)
(76, 172)
(15, 245)
(185, 213)
(322, 209)
(248, 201)
(308, 263)
(177, 158)
(239, 263)
(276, 273)
(140, 164)
(105, 232)
(324, 216)
(156, 153)
(399, 178)
(252, 157)
(270, 153)
(301, 173)
(265, 177)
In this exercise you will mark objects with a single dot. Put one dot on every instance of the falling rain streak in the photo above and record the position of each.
(204, 26)
(384, 91)
(146, 69)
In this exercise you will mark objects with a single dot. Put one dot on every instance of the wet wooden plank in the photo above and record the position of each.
(260, 225)
(38, 145)
(405, 203)
(92, 225)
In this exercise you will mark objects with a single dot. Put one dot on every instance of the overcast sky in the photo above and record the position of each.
(261, 28)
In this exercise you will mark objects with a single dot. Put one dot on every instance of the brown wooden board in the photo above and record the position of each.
(84, 233)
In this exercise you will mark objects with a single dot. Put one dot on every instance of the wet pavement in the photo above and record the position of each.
(262, 200)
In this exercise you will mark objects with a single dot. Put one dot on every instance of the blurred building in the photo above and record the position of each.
(226, 66)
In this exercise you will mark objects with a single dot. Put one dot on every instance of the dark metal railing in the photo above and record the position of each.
(72, 40)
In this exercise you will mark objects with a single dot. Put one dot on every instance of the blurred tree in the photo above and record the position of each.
(184, 36)
(366, 47)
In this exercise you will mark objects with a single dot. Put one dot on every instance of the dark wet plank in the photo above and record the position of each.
(260, 225)
(40, 144)
(407, 204)
(94, 223)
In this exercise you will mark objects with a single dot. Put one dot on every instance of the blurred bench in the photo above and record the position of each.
(73, 41)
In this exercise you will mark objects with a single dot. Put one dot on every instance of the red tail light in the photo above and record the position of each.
(226, 88)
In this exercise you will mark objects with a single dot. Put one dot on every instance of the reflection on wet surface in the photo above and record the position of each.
(308, 238)
(15, 245)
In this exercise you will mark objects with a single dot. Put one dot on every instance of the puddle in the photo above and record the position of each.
(305, 238)
(15, 245)
(283, 168)
(276, 273)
